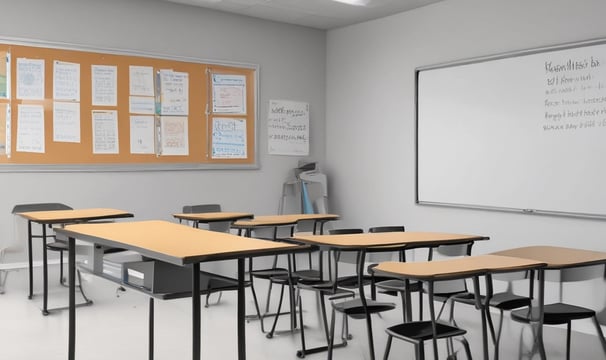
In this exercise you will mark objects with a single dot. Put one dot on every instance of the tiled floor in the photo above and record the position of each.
(115, 327)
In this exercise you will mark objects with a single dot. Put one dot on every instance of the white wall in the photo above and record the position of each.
(371, 125)
(292, 66)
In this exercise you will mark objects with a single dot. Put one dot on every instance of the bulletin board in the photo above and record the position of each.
(63, 107)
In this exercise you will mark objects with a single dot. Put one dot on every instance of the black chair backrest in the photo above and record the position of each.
(379, 229)
(345, 231)
(203, 208)
(40, 207)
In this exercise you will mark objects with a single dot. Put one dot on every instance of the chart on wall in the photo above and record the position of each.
(525, 131)
(288, 128)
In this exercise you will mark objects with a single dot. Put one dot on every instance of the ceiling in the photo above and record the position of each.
(319, 14)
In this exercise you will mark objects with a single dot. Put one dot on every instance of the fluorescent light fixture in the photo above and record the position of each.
(354, 2)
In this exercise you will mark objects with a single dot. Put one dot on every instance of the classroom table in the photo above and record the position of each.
(556, 258)
(60, 218)
(275, 221)
(461, 268)
(176, 244)
(210, 217)
(394, 240)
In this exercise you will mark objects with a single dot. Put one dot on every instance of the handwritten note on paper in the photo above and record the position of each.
(174, 93)
(174, 135)
(66, 122)
(229, 138)
(105, 85)
(141, 80)
(30, 79)
(105, 132)
(288, 128)
(229, 94)
(142, 134)
(66, 81)
(30, 128)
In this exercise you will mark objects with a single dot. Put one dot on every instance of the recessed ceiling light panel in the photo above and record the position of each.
(354, 2)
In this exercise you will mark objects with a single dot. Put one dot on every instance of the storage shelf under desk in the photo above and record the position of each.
(209, 283)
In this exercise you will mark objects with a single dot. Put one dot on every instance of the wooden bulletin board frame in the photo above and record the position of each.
(72, 156)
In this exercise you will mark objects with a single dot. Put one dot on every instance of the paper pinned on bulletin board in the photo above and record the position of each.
(288, 128)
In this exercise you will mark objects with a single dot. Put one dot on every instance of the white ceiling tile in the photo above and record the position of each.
(320, 14)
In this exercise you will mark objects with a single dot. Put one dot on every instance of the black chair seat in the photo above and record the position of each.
(351, 282)
(269, 273)
(355, 309)
(555, 314)
(310, 274)
(503, 301)
(422, 331)
(57, 246)
(397, 285)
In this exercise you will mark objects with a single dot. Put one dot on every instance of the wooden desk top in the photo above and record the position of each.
(213, 216)
(66, 216)
(405, 238)
(281, 220)
(457, 268)
(557, 257)
(174, 243)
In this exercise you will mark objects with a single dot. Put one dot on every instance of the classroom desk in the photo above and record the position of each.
(556, 258)
(395, 240)
(209, 217)
(275, 221)
(59, 217)
(460, 268)
(176, 244)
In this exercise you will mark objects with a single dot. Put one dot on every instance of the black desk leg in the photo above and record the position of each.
(45, 273)
(241, 312)
(151, 328)
(195, 301)
(72, 298)
(31, 260)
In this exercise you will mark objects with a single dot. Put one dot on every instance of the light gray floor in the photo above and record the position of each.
(116, 328)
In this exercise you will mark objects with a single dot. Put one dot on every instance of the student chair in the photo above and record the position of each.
(391, 286)
(563, 313)
(503, 301)
(56, 245)
(327, 289)
(418, 332)
(214, 226)
(358, 308)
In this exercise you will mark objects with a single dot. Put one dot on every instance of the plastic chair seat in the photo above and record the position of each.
(555, 314)
(269, 273)
(503, 301)
(397, 285)
(422, 331)
(355, 308)
(57, 246)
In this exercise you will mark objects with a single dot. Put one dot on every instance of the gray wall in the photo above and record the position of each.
(370, 116)
(291, 60)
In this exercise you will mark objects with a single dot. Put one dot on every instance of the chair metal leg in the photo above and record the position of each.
(387, 347)
(600, 333)
(371, 346)
(420, 351)
(61, 278)
(3, 277)
(332, 335)
(270, 334)
(568, 334)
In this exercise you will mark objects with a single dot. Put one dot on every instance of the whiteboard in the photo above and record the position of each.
(523, 131)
